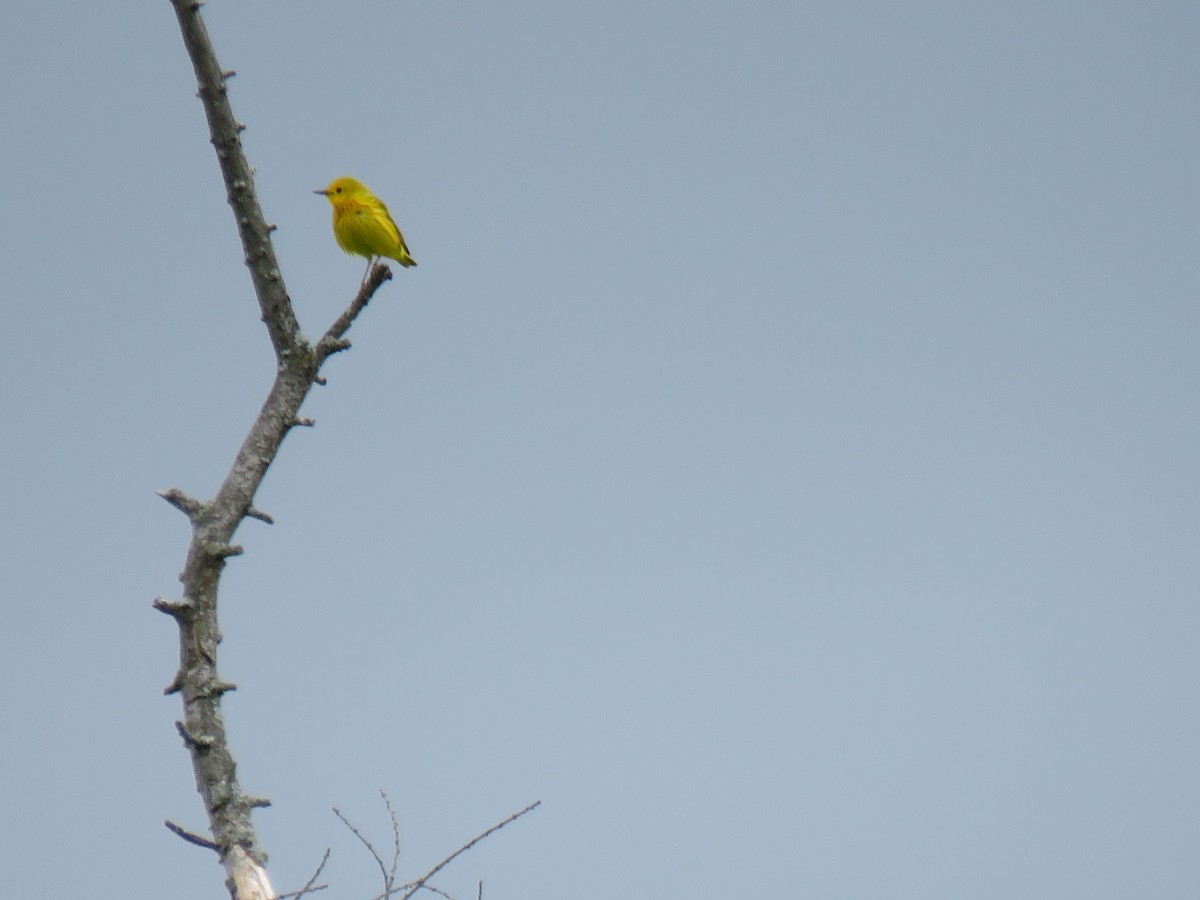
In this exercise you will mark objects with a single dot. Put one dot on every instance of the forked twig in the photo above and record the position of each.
(389, 877)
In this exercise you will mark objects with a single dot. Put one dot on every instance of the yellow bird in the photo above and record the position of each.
(362, 224)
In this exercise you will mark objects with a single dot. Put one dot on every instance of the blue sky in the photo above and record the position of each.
(782, 462)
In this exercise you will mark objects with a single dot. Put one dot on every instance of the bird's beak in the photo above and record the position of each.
(322, 192)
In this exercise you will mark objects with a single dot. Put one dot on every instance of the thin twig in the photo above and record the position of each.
(387, 801)
(308, 885)
(427, 887)
(465, 847)
(297, 894)
(358, 834)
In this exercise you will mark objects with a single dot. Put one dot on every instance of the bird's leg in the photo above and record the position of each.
(370, 262)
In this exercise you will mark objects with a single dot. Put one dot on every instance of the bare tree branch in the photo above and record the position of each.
(239, 184)
(215, 521)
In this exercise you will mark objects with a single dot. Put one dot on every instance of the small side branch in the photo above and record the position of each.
(179, 610)
(332, 341)
(199, 741)
(215, 688)
(188, 505)
(260, 515)
(221, 550)
(328, 348)
(191, 837)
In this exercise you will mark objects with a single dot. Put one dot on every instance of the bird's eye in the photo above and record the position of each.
(337, 190)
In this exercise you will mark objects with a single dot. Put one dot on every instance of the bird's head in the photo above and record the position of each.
(342, 187)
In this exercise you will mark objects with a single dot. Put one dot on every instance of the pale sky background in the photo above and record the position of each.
(783, 462)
